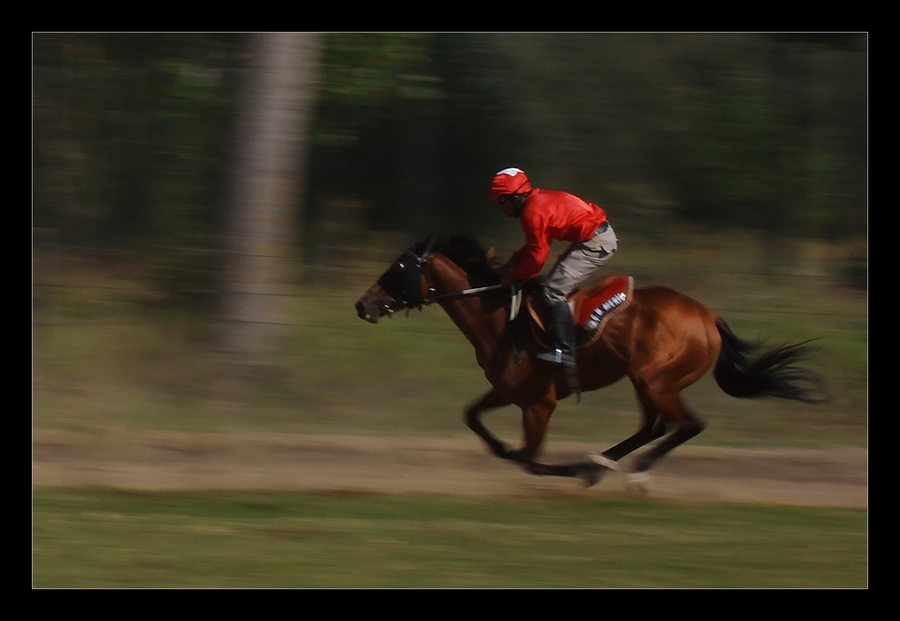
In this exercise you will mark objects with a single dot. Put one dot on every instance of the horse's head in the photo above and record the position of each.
(404, 285)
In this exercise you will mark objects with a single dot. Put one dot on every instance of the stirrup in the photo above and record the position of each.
(558, 356)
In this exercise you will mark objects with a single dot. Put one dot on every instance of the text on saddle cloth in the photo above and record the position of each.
(591, 306)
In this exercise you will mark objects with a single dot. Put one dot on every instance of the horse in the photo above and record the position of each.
(662, 341)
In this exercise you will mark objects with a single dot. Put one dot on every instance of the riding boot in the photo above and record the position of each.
(563, 328)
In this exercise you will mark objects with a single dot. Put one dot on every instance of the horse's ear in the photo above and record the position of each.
(489, 255)
(429, 242)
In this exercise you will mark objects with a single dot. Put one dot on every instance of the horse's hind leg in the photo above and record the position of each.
(671, 407)
(652, 427)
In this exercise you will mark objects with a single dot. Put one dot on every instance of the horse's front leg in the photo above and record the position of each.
(490, 401)
(535, 420)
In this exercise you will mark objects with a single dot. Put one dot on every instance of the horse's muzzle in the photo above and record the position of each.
(365, 313)
(372, 312)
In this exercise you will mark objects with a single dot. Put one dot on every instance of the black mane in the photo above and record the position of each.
(465, 252)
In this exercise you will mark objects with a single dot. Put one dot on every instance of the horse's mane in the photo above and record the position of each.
(465, 252)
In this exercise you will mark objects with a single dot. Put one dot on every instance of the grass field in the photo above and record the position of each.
(84, 539)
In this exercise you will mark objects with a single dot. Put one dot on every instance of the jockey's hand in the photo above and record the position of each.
(506, 276)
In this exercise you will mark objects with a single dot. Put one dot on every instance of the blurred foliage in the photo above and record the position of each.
(765, 132)
(130, 146)
(409, 126)
(133, 136)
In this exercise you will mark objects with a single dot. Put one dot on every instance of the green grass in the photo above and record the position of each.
(98, 538)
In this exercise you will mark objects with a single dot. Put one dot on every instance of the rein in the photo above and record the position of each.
(425, 260)
(464, 292)
(423, 263)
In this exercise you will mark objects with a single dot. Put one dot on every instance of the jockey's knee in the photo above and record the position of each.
(553, 295)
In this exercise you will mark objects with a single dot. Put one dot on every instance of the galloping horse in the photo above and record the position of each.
(663, 341)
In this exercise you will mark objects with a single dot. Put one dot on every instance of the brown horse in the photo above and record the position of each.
(663, 341)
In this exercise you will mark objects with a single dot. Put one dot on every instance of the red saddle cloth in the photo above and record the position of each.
(591, 306)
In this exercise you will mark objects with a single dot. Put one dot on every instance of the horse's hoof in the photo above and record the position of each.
(590, 475)
(637, 482)
(604, 461)
(520, 456)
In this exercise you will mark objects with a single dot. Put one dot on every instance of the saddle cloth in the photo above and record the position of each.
(591, 308)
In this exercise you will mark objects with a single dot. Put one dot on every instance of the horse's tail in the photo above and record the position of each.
(773, 373)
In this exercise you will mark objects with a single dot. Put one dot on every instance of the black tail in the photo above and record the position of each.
(773, 374)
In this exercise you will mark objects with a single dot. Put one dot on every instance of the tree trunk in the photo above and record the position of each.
(269, 183)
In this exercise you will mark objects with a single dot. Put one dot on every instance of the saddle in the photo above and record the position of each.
(591, 308)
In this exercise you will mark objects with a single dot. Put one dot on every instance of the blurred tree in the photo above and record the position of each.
(269, 175)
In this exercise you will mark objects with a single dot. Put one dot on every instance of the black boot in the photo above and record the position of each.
(563, 328)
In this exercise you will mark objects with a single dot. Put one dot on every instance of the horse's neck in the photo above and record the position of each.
(482, 328)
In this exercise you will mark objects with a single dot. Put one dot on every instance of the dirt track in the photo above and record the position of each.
(460, 466)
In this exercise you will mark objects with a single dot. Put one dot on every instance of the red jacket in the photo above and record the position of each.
(547, 215)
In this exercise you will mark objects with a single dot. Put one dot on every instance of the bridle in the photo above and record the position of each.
(407, 282)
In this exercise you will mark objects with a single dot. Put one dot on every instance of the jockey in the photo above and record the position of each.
(546, 215)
